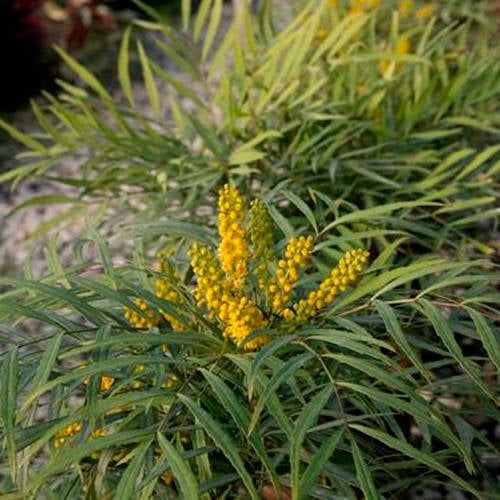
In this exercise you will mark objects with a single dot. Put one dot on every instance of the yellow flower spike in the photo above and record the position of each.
(261, 236)
(425, 11)
(210, 287)
(233, 249)
(346, 273)
(297, 254)
(142, 322)
(165, 290)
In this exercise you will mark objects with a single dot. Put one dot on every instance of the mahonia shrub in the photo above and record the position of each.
(248, 365)
(244, 286)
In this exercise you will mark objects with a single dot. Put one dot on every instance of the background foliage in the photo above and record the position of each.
(345, 136)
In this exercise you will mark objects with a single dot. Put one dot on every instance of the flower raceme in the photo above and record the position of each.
(242, 285)
(346, 273)
(233, 248)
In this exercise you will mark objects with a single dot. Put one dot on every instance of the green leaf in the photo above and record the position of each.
(201, 16)
(420, 411)
(9, 378)
(241, 416)
(444, 331)
(396, 277)
(103, 248)
(490, 342)
(281, 222)
(374, 371)
(213, 26)
(317, 462)
(47, 361)
(375, 212)
(284, 373)
(306, 419)
(394, 329)
(302, 206)
(126, 488)
(481, 158)
(68, 456)
(84, 74)
(181, 469)
(425, 458)
(363, 473)
(223, 441)
(186, 14)
(123, 67)
(261, 381)
(45, 199)
(28, 141)
(149, 81)
(245, 156)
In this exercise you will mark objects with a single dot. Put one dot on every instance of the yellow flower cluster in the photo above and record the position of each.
(221, 277)
(211, 280)
(64, 434)
(149, 319)
(97, 433)
(346, 273)
(297, 254)
(67, 432)
(225, 302)
(233, 249)
(165, 290)
(105, 383)
(261, 236)
(242, 317)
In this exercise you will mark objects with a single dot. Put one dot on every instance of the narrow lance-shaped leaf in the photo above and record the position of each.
(8, 400)
(241, 416)
(149, 81)
(213, 26)
(181, 469)
(284, 373)
(423, 457)
(490, 342)
(318, 461)
(304, 422)
(444, 331)
(123, 67)
(223, 441)
(394, 329)
(363, 473)
(126, 488)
